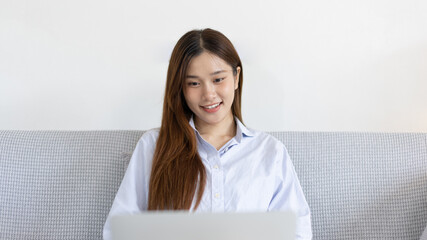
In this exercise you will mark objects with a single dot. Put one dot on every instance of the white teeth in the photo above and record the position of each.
(212, 106)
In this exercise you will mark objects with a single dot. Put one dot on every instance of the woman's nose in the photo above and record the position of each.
(209, 91)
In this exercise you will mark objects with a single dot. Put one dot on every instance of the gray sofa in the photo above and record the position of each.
(61, 184)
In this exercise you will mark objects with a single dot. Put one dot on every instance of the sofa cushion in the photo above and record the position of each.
(60, 184)
(362, 185)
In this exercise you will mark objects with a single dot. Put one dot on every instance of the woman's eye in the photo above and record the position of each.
(193, 84)
(218, 80)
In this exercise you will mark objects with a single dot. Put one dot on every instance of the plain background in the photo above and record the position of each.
(308, 65)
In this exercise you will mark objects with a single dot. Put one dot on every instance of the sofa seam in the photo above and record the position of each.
(425, 140)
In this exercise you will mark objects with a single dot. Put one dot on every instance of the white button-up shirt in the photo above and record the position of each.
(252, 172)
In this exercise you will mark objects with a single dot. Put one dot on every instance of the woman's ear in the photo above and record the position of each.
(236, 80)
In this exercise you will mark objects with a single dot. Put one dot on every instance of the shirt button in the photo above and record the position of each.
(215, 167)
(217, 195)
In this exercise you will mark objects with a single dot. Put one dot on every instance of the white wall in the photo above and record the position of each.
(308, 65)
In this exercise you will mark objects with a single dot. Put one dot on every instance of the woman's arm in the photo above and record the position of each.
(132, 195)
(290, 197)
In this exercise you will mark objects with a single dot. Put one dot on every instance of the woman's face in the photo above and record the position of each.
(209, 88)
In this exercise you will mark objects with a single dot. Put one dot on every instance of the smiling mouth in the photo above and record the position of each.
(212, 106)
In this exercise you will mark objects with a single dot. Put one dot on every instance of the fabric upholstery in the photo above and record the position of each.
(362, 185)
(61, 184)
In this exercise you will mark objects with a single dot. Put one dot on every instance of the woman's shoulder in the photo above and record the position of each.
(153, 132)
(260, 135)
(149, 137)
(260, 139)
(267, 147)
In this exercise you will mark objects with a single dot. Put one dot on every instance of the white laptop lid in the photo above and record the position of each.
(204, 226)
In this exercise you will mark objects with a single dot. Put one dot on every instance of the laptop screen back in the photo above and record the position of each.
(204, 226)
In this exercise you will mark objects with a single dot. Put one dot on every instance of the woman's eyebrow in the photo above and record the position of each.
(214, 73)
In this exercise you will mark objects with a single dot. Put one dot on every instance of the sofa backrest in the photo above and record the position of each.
(362, 185)
(61, 184)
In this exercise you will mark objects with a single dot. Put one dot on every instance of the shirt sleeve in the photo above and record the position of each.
(290, 197)
(424, 235)
(132, 195)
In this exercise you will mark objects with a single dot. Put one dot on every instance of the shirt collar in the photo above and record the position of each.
(241, 130)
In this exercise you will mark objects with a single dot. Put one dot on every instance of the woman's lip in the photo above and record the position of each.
(212, 110)
(205, 106)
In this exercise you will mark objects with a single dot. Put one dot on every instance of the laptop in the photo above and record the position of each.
(179, 225)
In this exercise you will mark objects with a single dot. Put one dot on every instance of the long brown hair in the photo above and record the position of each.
(177, 172)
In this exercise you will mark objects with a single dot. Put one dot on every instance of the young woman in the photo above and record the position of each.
(203, 158)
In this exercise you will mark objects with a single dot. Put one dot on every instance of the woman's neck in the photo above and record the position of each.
(217, 134)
